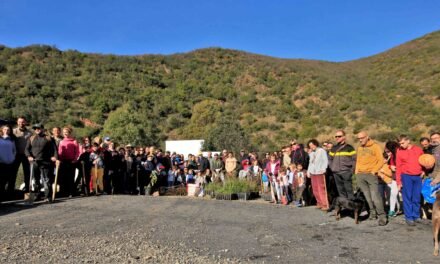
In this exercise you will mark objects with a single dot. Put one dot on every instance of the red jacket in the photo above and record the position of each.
(407, 162)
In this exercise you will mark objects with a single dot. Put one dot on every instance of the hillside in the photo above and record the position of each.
(146, 99)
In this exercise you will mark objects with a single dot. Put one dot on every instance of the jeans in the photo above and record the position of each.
(369, 185)
(40, 170)
(344, 184)
(411, 191)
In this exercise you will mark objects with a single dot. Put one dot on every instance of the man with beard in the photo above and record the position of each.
(425, 143)
(41, 151)
(22, 135)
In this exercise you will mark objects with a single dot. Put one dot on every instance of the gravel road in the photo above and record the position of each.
(138, 229)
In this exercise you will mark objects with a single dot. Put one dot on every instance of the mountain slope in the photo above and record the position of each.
(185, 96)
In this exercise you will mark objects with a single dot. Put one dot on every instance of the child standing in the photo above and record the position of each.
(291, 178)
(265, 181)
(97, 172)
(180, 177)
(299, 184)
(190, 176)
(172, 176)
(200, 182)
(284, 183)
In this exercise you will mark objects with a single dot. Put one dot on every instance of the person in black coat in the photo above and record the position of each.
(203, 164)
(41, 151)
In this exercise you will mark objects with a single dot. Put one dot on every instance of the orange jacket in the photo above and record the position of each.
(369, 158)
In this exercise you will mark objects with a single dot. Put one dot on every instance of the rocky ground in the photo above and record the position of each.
(138, 229)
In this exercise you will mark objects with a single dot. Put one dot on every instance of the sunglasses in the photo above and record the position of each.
(338, 136)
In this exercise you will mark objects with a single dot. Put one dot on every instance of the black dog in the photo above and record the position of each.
(356, 205)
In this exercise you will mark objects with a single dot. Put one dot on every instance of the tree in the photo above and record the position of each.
(127, 126)
(227, 134)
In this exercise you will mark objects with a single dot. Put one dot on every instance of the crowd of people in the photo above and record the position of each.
(304, 175)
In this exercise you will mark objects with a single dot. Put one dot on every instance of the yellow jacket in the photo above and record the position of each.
(369, 158)
(386, 174)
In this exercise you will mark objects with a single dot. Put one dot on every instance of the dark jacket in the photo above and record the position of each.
(204, 164)
(41, 148)
(300, 156)
(342, 158)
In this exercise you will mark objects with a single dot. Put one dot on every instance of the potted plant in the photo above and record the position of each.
(151, 186)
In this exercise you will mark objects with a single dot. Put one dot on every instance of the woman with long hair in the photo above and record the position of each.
(316, 171)
(391, 149)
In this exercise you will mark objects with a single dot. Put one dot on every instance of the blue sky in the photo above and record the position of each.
(309, 29)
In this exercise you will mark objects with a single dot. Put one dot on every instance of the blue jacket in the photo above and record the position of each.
(7, 150)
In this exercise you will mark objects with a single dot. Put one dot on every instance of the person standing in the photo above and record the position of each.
(22, 135)
(217, 169)
(369, 161)
(56, 135)
(272, 169)
(7, 157)
(342, 163)
(41, 151)
(298, 154)
(409, 178)
(425, 143)
(435, 143)
(316, 171)
(391, 150)
(68, 151)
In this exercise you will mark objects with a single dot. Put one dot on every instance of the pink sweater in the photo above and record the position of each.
(68, 150)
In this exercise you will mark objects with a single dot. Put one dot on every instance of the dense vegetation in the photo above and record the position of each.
(147, 99)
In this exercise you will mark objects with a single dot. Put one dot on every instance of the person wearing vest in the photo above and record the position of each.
(342, 158)
(22, 135)
(41, 151)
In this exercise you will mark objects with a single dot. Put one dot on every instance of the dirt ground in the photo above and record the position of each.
(139, 229)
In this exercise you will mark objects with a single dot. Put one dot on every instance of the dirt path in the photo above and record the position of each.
(135, 229)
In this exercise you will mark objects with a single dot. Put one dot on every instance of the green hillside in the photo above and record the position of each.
(202, 94)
